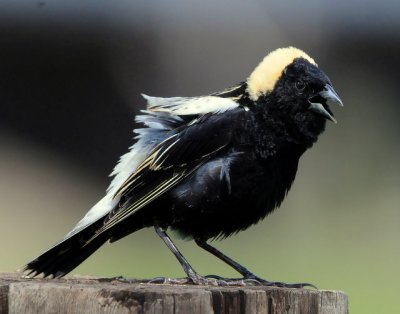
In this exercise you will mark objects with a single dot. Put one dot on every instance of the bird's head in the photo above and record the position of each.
(289, 81)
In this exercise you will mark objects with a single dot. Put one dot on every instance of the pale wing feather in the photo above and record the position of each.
(125, 212)
(182, 106)
(161, 119)
(158, 127)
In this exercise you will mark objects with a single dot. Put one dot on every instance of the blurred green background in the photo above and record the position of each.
(71, 74)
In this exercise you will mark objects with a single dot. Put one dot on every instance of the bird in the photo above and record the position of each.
(207, 167)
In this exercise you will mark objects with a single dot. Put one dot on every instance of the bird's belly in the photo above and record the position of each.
(219, 202)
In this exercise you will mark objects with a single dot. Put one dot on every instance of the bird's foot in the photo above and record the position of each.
(214, 280)
(123, 279)
(171, 281)
(253, 280)
(156, 280)
(262, 282)
(198, 280)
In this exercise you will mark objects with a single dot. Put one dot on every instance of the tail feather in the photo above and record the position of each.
(66, 255)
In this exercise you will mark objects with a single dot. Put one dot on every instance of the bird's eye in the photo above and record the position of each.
(300, 85)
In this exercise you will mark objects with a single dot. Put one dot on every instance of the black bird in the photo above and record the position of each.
(207, 167)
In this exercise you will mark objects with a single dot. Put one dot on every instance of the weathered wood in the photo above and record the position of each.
(91, 295)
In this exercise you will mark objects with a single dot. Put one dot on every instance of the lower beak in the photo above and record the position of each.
(328, 94)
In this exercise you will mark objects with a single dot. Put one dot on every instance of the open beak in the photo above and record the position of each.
(327, 94)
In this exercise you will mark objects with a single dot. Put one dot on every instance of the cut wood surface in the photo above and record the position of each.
(76, 294)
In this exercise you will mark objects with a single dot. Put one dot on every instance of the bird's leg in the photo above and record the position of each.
(193, 276)
(248, 275)
(190, 272)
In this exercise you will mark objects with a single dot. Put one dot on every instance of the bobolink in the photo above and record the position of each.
(207, 167)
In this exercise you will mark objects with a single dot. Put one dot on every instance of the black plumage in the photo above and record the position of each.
(208, 167)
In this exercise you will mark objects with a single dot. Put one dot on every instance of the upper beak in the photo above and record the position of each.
(329, 94)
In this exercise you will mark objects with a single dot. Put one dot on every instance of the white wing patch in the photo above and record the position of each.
(141, 202)
(190, 105)
(125, 167)
(102, 208)
(148, 138)
(162, 117)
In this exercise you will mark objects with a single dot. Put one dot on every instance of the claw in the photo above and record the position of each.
(214, 277)
(159, 280)
(120, 279)
(263, 282)
(299, 285)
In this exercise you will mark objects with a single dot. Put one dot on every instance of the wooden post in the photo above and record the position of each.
(90, 295)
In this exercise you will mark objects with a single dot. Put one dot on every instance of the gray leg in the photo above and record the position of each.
(190, 272)
(235, 265)
(248, 275)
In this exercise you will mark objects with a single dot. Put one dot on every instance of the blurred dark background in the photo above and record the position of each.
(71, 74)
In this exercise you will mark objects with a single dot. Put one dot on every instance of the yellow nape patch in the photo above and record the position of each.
(264, 77)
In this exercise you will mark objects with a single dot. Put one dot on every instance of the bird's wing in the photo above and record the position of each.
(182, 106)
(171, 161)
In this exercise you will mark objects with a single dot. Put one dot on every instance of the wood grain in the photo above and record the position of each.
(93, 295)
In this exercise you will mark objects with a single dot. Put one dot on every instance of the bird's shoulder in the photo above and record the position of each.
(188, 145)
(218, 102)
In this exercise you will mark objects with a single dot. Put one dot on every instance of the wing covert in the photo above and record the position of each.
(173, 160)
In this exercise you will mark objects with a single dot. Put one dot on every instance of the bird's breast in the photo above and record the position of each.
(230, 193)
